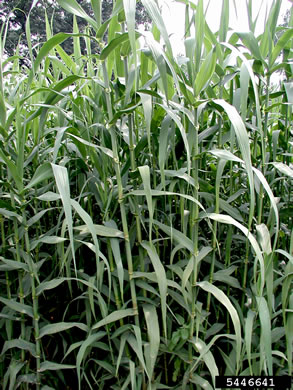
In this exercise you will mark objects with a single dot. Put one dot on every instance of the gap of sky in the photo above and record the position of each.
(173, 14)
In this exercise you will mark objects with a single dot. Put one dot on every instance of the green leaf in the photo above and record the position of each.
(117, 257)
(48, 27)
(13, 169)
(10, 214)
(205, 73)
(162, 280)
(264, 238)
(195, 259)
(76, 45)
(204, 349)
(89, 223)
(163, 145)
(289, 91)
(136, 345)
(100, 230)
(2, 110)
(153, 10)
(224, 276)
(267, 38)
(107, 151)
(53, 240)
(286, 254)
(178, 122)
(46, 365)
(145, 175)
(97, 8)
(223, 298)
(132, 375)
(176, 235)
(148, 109)
(19, 307)
(244, 144)
(46, 48)
(266, 336)
(129, 9)
(114, 43)
(62, 182)
(55, 95)
(160, 59)
(10, 265)
(49, 285)
(66, 59)
(199, 33)
(60, 327)
(248, 336)
(266, 186)
(49, 197)
(153, 329)
(283, 168)
(115, 316)
(20, 344)
(224, 205)
(37, 217)
(224, 25)
(244, 84)
(122, 345)
(90, 340)
(28, 31)
(237, 53)
(208, 358)
(74, 8)
(251, 43)
(198, 380)
(230, 221)
(280, 45)
(13, 370)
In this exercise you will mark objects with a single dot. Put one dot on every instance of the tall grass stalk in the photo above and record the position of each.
(120, 195)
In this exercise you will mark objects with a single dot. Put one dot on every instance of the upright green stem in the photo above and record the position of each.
(265, 135)
(20, 274)
(120, 194)
(35, 303)
(3, 249)
(217, 205)
(214, 241)
(137, 215)
(194, 226)
(133, 169)
(9, 328)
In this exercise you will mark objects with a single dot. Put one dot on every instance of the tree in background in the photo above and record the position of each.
(286, 71)
(16, 11)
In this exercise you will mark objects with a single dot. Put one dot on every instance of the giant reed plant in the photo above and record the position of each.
(146, 204)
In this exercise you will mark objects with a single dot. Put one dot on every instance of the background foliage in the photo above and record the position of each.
(146, 202)
(16, 12)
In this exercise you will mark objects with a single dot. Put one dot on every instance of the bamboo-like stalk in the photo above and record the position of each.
(120, 195)
(137, 213)
(3, 248)
(35, 303)
(214, 240)
(195, 227)
(133, 169)
(7, 278)
(265, 135)
(20, 274)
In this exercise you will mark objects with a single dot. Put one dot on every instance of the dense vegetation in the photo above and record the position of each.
(146, 204)
(15, 12)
